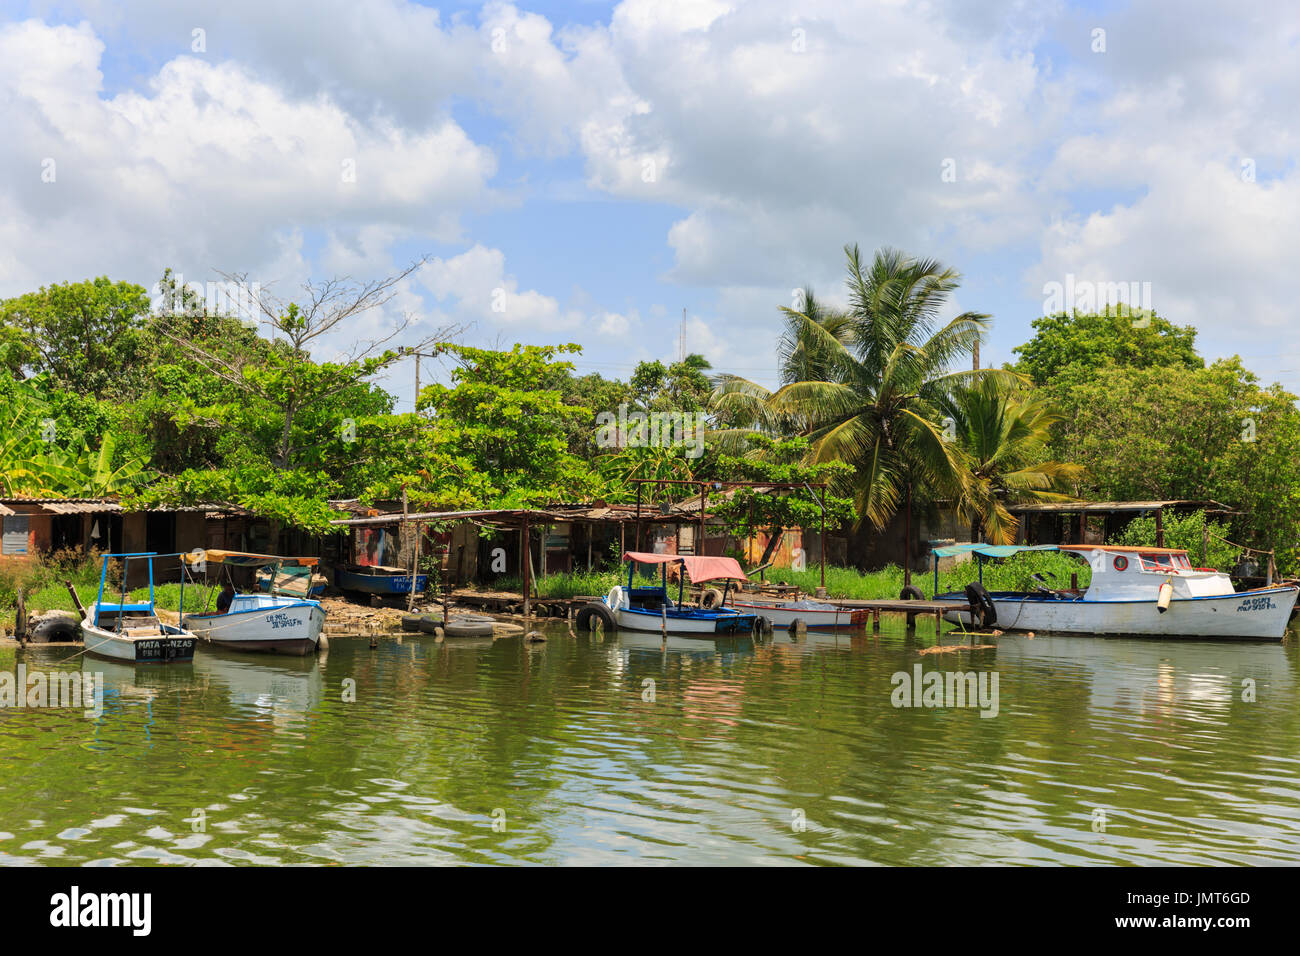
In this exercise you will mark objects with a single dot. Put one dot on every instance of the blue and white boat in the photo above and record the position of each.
(125, 630)
(1134, 591)
(273, 623)
(376, 579)
(636, 608)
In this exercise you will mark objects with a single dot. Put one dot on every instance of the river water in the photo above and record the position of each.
(597, 749)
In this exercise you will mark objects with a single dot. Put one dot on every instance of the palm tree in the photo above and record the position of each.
(1004, 433)
(865, 385)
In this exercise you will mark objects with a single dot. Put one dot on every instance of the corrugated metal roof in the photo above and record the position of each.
(73, 506)
(1084, 507)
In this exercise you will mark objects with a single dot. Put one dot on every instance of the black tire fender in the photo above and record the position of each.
(56, 629)
(589, 615)
(980, 599)
(710, 598)
(911, 593)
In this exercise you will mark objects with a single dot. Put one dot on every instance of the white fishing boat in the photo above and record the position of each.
(816, 615)
(1134, 591)
(132, 631)
(271, 622)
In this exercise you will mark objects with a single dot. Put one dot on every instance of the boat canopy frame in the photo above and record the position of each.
(700, 567)
(122, 607)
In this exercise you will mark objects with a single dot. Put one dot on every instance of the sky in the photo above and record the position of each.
(617, 175)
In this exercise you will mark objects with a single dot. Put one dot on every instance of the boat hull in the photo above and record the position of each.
(1246, 615)
(383, 584)
(174, 646)
(702, 624)
(813, 618)
(284, 628)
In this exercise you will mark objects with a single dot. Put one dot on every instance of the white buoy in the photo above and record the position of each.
(1166, 595)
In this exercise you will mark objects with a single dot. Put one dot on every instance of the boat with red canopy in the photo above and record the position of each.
(653, 608)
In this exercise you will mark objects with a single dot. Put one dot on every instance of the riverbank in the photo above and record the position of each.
(51, 594)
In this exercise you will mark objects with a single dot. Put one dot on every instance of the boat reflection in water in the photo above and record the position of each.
(276, 690)
(644, 642)
(280, 690)
(1142, 677)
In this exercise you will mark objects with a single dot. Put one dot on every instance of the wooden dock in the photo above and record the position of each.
(913, 609)
(504, 602)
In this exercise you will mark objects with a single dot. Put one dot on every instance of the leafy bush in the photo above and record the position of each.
(42, 579)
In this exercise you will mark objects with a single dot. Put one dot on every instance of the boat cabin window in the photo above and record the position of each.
(1165, 562)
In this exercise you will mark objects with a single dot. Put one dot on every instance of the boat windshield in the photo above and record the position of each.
(1165, 562)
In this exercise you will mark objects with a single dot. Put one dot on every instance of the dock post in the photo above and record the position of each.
(875, 620)
(527, 560)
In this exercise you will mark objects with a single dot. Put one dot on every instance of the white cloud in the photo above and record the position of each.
(210, 168)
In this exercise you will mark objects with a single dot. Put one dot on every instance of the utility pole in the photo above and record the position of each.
(416, 406)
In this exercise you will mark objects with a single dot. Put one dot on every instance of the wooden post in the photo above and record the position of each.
(907, 545)
(699, 545)
(526, 559)
(1160, 528)
(20, 622)
(591, 528)
(638, 516)
(875, 620)
(1205, 543)
(76, 599)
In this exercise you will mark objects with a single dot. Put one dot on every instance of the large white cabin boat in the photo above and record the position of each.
(1142, 591)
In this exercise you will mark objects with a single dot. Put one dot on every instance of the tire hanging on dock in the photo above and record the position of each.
(911, 593)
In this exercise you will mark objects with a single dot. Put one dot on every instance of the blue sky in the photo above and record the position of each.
(606, 166)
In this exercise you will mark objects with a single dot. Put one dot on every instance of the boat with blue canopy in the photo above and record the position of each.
(126, 630)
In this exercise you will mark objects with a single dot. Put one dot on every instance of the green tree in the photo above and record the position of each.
(748, 510)
(89, 337)
(682, 386)
(1185, 433)
(284, 426)
(501, 424)
(1092, 340)
(864, 387)
(1005, 433)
